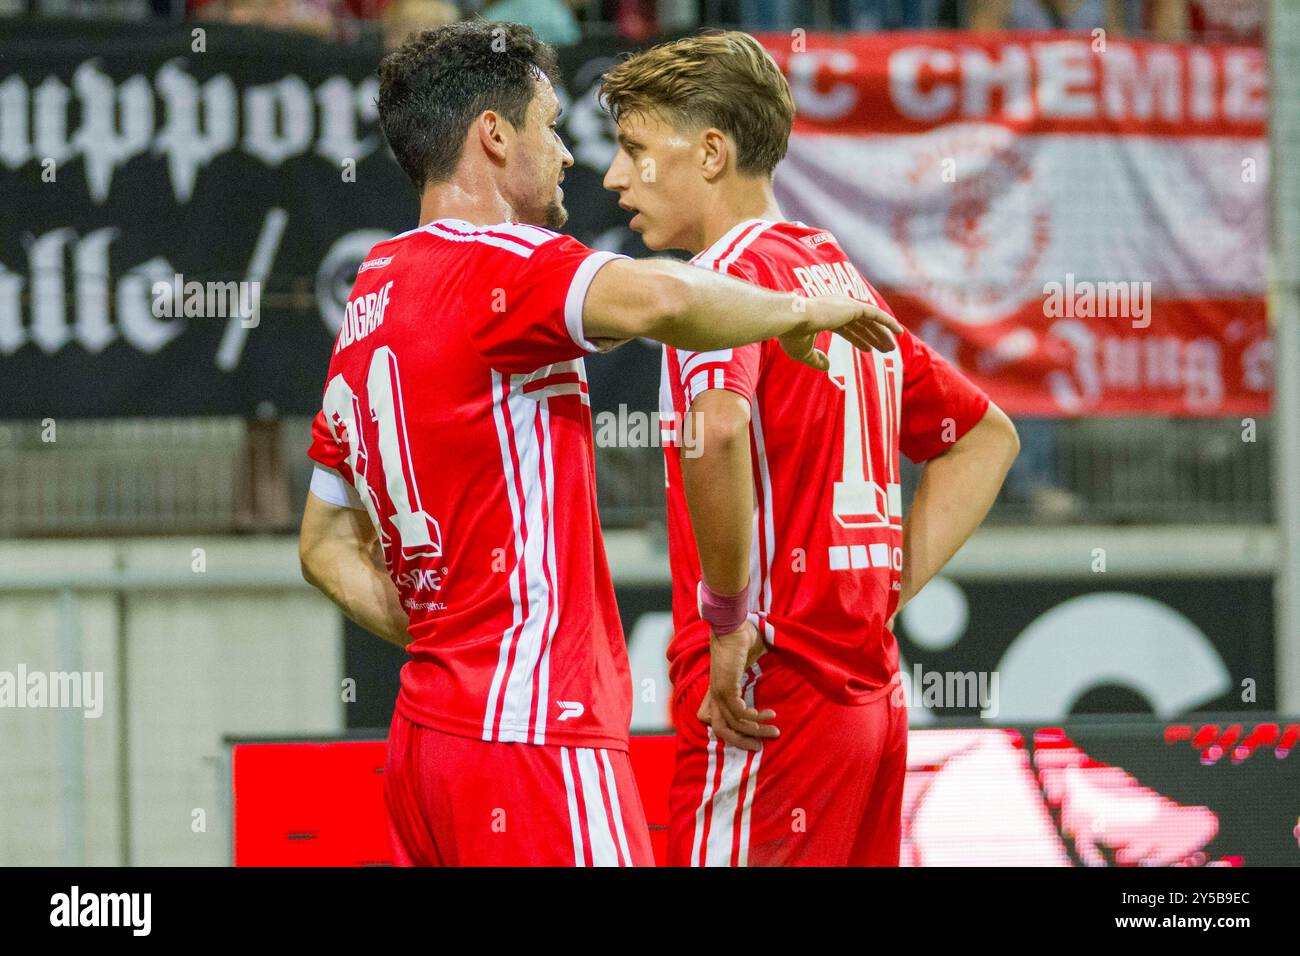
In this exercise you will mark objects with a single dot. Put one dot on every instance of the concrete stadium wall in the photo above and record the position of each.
(182, 667)
(202, 638)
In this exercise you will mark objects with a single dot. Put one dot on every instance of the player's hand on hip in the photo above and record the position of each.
(865, 325)
(723, 707)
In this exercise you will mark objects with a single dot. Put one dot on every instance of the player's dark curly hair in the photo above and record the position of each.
(436, 83)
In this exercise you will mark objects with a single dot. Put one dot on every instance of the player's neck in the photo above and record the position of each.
(752, 201)
(479, 204)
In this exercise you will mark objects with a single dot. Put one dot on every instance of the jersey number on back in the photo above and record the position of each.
(868, 494)
(392, 472)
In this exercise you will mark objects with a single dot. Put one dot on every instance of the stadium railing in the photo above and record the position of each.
(178, 475)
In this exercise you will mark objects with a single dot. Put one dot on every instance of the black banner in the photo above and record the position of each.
(159, 183)
(1168, 647)
(1038, 649)
(1027, 649)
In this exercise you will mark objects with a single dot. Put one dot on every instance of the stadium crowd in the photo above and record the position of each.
(562, 22)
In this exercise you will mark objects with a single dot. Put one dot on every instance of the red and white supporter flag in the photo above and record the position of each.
(1080, 226)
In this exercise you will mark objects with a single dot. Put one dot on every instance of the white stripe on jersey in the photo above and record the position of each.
(702, 381)
(524, 233)
(666, 410)
(708, 259)
(692, 360)
(568, 388)
(548, 377)
(722, 826)
(536, 610)
(604, 852)
(741, 246)
(522, 423)
(717, 258)
(553, 589)
(765, 513)
(575, 825)
(699, 383)
(704, 802)
(519, 249)
(612, 786)
(458, 230)
(578, 287)
(501, 383)
(667, 415)
(726, 798)
(751, 783)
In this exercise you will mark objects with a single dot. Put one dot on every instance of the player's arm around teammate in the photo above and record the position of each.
(661, 299)
(691, 308)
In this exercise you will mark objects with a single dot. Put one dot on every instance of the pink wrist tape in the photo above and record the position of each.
(723, 612)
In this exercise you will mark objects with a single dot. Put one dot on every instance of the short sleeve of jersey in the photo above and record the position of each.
(734, 369)
(324, 449)
(541, 291)
(940, 404)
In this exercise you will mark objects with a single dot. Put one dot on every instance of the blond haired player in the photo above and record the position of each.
(789, 549)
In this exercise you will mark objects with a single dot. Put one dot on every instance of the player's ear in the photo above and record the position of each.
(492, 130)
(715, 150)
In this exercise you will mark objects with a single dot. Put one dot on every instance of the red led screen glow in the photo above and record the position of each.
(1118, 793)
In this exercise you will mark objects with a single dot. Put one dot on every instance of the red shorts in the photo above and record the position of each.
(458, 801)
(827, 792)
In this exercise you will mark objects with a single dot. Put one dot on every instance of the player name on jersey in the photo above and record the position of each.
(833, 278)
(363, 315)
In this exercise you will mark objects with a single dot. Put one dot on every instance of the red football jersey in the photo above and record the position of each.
(827, 551)
(457, 406)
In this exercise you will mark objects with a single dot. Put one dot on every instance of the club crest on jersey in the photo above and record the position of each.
(570, 709)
